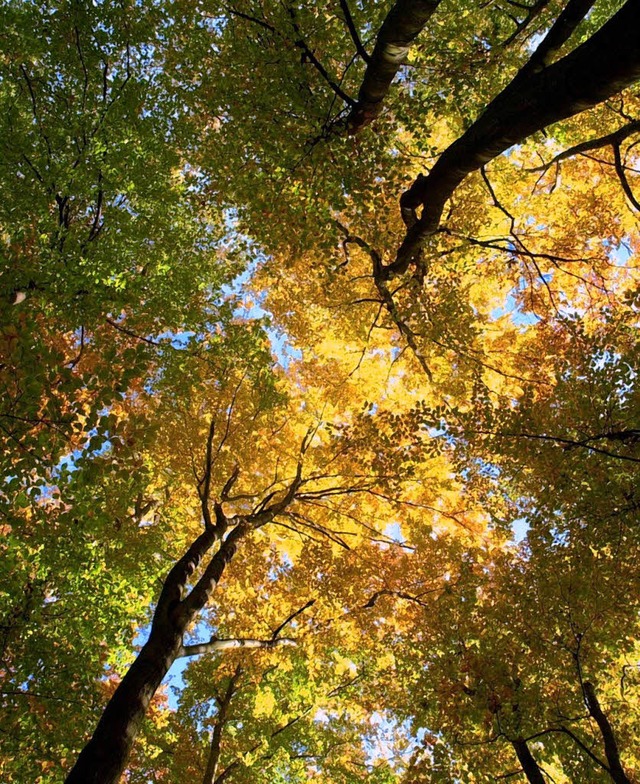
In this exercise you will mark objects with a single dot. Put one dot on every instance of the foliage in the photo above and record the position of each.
(429, 466)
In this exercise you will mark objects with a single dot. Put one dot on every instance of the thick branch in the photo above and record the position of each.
(403, 23)
(103, 759)
(616, 770)
(216, 644)
(174, 585)
(602, 66)
(205, 586)
(561, 30)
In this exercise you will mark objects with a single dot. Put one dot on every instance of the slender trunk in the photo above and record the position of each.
(104, 758)
(216, 738)
(603, 65)
(529, 765)
(616, 771)
(403, 23)
(214, 755)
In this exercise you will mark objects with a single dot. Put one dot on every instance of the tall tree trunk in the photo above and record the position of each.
(529, 765)
(616, 771)
(600, 67)
(105, 756)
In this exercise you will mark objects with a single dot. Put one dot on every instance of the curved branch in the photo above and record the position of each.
(353, 32)
(617, 159)
(291, 617)
(616, 137)
(603, 65)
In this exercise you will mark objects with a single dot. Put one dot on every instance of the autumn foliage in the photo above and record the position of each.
(319, 406)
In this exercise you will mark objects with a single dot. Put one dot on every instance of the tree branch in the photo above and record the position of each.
(216, 644)
(584, 747)
(402, 25)
(616, 137)
(204, 483)
(174, 585)
(310, 55)
(617, 158)
(561, 30)
(566, 442)
(291, 617)
(603, 65)
(216, 736)
(353, 32)
(205, 586)
(532, 13)
(529, 765)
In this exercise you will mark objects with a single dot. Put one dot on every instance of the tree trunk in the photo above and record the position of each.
(616, 771)
(603, 65)
(104, 758)
(529, 765)
(216, 738)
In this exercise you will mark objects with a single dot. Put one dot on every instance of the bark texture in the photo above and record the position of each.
(403, 23)
(603, 65)
(103, 759)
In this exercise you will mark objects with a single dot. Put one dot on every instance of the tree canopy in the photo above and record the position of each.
(319, 423)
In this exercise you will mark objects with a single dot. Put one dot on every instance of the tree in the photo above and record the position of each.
(222, 332)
